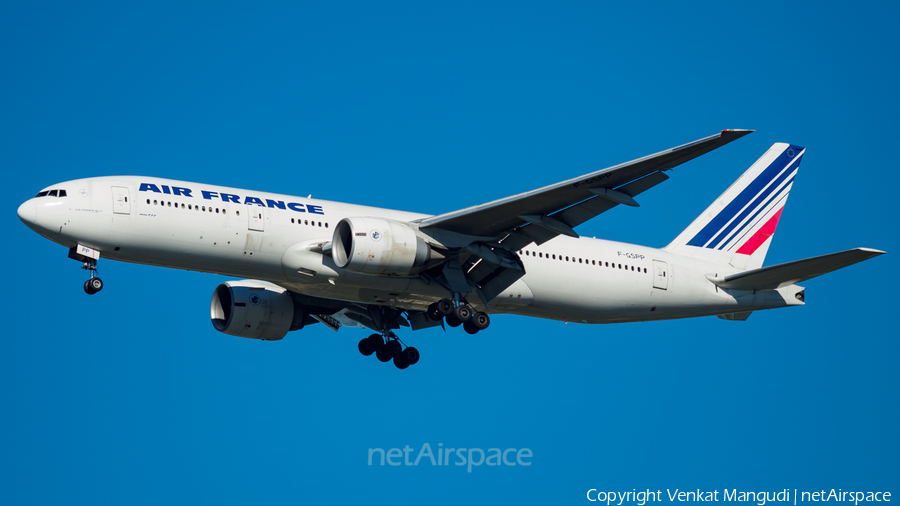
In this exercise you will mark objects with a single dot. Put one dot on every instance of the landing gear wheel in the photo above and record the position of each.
(470, 327)
(445, 307)
(93, 286)
(383, 355)
(411, 355)
(453, 321)
(480, 320)
(393, 347)
(365, 347)
(463, 312)
(375, 342)
(400, 361)
(433, 312)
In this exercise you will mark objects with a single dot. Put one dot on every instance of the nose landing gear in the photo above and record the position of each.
(88, 257)
(95, 284)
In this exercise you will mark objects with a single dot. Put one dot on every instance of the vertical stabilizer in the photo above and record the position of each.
(737, 228)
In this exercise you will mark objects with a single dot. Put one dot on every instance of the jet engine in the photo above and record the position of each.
(255, 309)
(377, 246)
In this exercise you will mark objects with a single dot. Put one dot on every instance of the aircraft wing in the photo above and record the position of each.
(556, 209)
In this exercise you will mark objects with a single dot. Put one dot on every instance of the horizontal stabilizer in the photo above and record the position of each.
(776, 276)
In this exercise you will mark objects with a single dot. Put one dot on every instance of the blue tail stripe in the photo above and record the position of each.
(738, 203)
(719, 238)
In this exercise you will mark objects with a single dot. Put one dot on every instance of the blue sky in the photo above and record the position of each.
(131, 396)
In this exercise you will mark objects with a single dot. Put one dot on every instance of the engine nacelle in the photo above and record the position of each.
(254, 309)
(377, 246)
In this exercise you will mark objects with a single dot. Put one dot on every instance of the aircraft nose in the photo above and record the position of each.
(28, 212)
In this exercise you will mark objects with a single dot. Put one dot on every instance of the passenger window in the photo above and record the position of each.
(154, 202)
(326, 224)
(593, 262)
(237, 213)
(170, 204)
(620, 266)
(148, 201)
(645, 270)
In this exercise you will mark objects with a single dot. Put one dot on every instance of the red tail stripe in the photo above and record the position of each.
(761, 235)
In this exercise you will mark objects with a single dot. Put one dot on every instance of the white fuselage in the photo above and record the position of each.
(273, 237)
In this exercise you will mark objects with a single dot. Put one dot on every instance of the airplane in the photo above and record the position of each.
(307, 261)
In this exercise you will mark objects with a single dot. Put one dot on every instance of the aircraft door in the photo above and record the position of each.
(660, 275)
(121, 201)
(257, 218)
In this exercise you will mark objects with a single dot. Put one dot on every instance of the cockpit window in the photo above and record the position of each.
(51, 193)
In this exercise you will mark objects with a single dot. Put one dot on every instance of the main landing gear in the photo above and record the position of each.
(95, 284)
(387, 348)
(457, 314)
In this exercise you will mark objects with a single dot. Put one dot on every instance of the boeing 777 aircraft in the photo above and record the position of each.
(310, 261)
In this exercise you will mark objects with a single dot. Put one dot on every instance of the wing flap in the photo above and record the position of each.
(776, 276)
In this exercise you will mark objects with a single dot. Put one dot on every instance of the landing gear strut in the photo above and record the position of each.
(456, 313)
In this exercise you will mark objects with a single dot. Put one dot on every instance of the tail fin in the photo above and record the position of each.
(737, 228)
